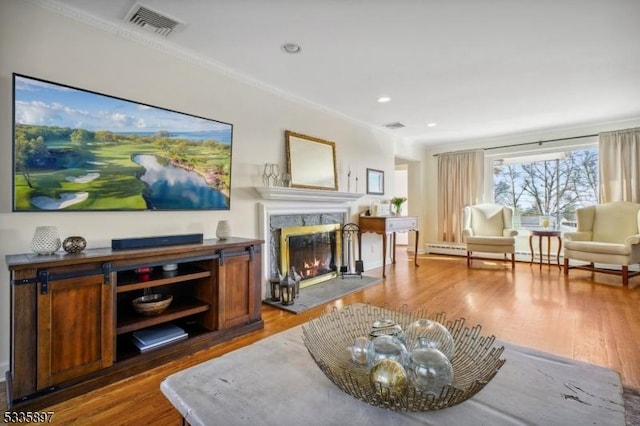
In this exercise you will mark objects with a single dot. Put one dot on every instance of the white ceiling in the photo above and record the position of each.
(477, 68)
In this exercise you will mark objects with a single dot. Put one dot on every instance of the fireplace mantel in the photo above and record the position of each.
(280, 201)
(278, 193)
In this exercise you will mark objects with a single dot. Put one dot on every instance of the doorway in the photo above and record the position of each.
(401, 179)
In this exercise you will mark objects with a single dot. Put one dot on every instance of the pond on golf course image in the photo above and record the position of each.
(172, 187)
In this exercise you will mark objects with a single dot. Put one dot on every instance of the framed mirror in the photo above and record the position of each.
(311, 162)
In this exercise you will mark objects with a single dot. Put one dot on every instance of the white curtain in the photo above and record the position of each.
(620, 166)
(460, 183)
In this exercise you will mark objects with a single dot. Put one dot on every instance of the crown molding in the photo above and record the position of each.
(166, 47)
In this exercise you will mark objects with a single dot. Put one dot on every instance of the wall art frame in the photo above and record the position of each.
(375, 182)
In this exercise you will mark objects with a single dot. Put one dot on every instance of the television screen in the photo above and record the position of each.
(78, 150)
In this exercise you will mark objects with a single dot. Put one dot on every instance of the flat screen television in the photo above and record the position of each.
(79, 150)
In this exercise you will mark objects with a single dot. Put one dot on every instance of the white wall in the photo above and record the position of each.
(38, 42)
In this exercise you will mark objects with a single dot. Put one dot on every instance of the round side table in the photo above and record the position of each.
(548, 234)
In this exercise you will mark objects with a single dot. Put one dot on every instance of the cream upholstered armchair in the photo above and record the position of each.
(607, 234)
(488, 228)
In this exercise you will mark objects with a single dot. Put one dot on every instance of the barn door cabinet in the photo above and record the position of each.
(72, 319)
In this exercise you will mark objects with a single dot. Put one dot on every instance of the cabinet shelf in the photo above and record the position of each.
(132, 321)
(129, 280)
(216, 297)
(127, 350)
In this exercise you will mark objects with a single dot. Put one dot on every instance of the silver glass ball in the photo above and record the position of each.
(389, 347)
(362, 351)
(429, 370)
(432, 331)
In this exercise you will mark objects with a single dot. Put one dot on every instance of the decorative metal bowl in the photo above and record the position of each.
(152, 304)
(475, 363)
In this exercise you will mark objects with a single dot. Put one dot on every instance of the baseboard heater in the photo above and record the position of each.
(443, 248)
(460, 250)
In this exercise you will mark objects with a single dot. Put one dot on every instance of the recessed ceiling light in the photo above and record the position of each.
(291, 48)
(384, 99)
(432, 124)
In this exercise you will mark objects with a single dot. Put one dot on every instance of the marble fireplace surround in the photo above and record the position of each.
(281, 207)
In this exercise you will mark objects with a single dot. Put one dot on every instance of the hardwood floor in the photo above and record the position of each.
(591, 318)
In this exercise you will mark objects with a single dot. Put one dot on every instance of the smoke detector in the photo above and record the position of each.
(151, 20)
(394, 126)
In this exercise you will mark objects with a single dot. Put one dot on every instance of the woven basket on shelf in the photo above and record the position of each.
(152, 304)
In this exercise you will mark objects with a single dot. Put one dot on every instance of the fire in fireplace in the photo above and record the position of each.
(313, 251)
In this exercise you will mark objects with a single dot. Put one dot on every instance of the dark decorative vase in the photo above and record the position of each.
(74, 244)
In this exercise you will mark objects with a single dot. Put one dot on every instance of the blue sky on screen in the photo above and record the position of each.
(41, 103)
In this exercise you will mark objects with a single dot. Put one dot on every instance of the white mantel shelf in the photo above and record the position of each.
(299, 194)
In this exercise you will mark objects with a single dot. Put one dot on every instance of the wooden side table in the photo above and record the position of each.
(385, 225)
(545, 234)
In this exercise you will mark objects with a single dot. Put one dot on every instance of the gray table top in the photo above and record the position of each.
(276, 382)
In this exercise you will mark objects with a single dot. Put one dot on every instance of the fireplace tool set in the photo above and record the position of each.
(351, 237)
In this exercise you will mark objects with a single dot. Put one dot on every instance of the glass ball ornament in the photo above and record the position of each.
(389, 347)
(429, 370)
(362, 351)
(434, 332)
(388, 378)
(386, 327)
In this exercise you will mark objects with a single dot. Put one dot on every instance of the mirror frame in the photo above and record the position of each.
(307, 154)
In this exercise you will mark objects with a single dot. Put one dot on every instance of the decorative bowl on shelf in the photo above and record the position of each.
(330, 341)
(152, 304)
(74, 244)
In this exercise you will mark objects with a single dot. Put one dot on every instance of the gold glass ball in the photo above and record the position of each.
(388, 377)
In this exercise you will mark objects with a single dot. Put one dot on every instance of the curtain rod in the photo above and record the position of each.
(522, 144)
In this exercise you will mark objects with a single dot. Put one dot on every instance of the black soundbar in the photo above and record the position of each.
(161, 241)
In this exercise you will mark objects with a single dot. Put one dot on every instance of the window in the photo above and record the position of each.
(550, 184)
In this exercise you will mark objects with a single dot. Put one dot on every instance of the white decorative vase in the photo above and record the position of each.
(223, 231)
(46, 240)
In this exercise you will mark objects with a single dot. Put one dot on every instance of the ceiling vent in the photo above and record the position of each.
(394, 126)
(153, 21)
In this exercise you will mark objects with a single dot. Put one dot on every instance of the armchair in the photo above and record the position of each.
(607, 234)
(488, 228)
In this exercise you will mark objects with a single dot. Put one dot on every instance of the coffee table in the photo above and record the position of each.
(275, 382)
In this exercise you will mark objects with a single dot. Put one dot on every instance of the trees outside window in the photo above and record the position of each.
(550, 184)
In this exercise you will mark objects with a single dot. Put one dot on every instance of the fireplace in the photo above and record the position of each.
(313, 251)
(291, 207)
